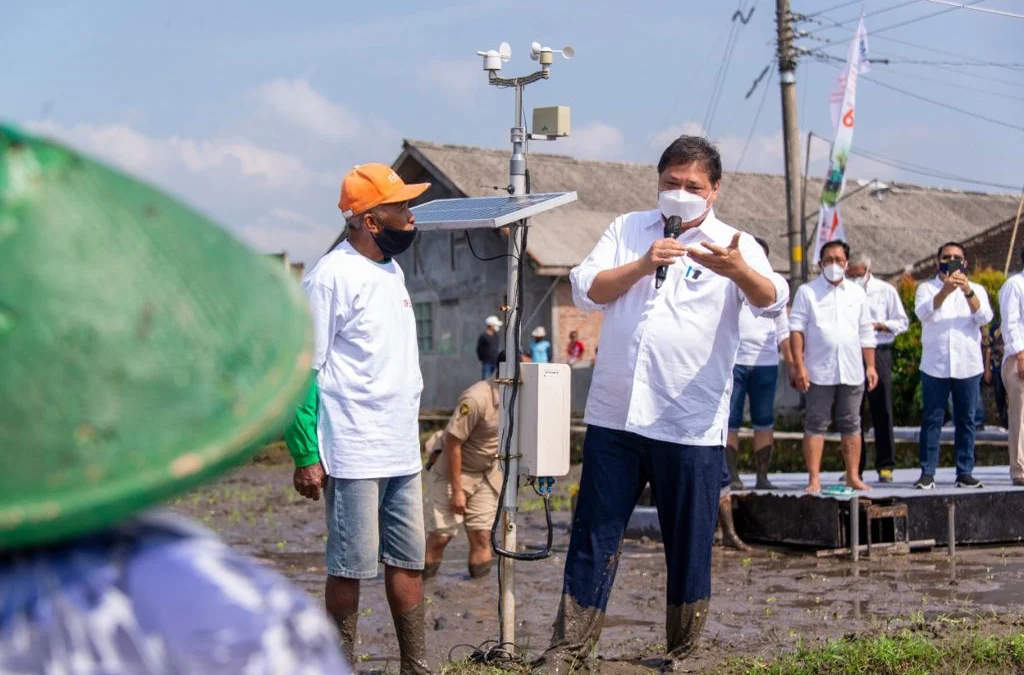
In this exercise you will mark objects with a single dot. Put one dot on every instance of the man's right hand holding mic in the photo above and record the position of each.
(662, 253)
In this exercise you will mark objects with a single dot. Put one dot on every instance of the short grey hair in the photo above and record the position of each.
(861, 259)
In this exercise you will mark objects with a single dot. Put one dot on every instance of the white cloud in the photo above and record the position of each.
(298, 103)
(459, 79)
(764, 152)
(596, 140)
(660, 140)
(282, 229)
(160, 159)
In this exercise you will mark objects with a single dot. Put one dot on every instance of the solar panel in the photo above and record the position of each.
(485, 212)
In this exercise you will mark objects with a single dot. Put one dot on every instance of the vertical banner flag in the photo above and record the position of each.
(842, 104)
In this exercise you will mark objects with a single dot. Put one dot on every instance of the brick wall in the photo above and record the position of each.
(566, 317)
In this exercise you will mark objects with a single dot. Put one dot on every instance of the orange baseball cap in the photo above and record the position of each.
(370, 185)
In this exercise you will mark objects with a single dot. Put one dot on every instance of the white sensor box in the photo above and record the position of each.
(551, 121)
(544, 415)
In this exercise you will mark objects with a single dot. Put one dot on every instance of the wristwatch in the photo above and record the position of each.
(970, 294)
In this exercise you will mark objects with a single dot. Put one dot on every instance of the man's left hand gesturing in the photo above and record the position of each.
(726, 261)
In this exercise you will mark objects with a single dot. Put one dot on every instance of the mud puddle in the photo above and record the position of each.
(762, 602)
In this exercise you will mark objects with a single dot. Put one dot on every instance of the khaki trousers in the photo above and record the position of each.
(1015, 403)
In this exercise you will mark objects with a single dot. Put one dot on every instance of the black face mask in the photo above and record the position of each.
(393, 242)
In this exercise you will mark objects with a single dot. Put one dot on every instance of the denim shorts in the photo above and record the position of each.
(371, 520)
(759, 383)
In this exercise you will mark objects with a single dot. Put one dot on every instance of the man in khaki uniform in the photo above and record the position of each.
(464, 479)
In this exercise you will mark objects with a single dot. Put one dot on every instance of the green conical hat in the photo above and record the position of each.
(142, 349)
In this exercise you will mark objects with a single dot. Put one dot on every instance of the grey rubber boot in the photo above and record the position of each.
(732, 460)
(763, 458)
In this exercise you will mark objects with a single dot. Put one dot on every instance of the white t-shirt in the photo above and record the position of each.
(760, 338)
(367, 363)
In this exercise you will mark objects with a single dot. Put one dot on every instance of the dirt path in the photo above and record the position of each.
(762, 603)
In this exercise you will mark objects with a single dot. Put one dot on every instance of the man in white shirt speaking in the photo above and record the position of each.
(1011, 305)
(833, 345)
(889, 319)
(659, 401)
(356, 437)
(952, 311)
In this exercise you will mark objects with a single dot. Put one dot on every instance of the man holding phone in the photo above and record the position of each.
(951, 309)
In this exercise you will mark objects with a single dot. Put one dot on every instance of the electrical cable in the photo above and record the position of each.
(830, 9)
(918, 169)
(488, 259)
(830, 58)
(877, 31)
(1008, 125)
(723, 69)
(757, 116)
(839, 24)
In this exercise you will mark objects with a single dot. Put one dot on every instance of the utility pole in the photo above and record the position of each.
(791, 138)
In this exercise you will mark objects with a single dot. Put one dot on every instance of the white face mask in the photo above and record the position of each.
(834, 272)
(861, 281)
(688, 206)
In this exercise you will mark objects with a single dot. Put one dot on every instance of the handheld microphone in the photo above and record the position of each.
(673, 226)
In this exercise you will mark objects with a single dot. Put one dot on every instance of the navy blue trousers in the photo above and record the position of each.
(685, 483)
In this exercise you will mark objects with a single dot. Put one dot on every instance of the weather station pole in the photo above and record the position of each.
(536, 398)
(509, 370)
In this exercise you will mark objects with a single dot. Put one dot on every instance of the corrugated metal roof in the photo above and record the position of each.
(896, 227)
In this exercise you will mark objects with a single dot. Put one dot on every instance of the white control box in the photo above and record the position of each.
(543, 419)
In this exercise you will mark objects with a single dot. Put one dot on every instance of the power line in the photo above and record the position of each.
(875, 32)
(840, 24)
(757, 116)
(941, 65)
(723, 70)
(942, 104)
(978, 9)
(833, 58)
(910, 167)
(955, 84)
(830, 9)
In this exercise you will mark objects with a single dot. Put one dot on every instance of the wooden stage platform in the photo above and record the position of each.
(894, 516)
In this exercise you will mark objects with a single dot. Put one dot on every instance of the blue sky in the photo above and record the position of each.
(252, 111)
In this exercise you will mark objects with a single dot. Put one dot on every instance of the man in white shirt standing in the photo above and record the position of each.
(952, 311)
(889, 320)
(659, 401)
(1011, 305)
(755, 377)
(833, 343)
(357, 435)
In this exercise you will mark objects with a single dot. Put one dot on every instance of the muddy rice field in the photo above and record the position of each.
(763, 603)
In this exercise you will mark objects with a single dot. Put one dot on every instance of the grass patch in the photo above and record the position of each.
(943, 650)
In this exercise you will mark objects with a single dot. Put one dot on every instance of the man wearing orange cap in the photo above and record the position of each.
(356, 436)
